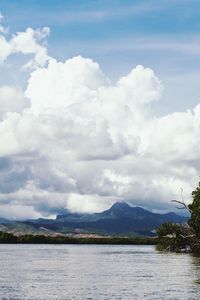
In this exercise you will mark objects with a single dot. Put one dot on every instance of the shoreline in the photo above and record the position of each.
(8, 238)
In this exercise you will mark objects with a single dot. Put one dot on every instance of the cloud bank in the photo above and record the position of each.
(74, 139)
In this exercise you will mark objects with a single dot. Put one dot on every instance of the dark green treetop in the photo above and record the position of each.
(194, 208)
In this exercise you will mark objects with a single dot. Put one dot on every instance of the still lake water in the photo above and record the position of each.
(96, 272)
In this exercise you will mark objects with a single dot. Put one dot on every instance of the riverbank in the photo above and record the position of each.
(8, 238)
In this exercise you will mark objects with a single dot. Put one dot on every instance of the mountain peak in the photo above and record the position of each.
(120, 205)
(120, 218)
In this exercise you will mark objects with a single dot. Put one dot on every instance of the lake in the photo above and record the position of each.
(96, 272)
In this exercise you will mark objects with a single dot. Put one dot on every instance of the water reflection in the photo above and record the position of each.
(196, 267)
(96, 272)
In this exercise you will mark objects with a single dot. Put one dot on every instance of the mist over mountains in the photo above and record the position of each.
(119, 219)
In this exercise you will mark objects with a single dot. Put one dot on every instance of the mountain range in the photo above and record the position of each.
(119, 219)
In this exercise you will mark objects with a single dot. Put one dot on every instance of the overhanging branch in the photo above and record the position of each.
(184, 206)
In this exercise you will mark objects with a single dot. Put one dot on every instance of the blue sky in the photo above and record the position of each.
(163, 35)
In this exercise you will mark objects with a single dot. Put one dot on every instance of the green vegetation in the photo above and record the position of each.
(182, 237)
(194, 209)
(8, 238)
(172, 237)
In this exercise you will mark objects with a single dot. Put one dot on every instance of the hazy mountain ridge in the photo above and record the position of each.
(119, 219)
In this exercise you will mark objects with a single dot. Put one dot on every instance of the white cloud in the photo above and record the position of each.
(2, 28)
(28, 42)
(5, 49)
(76, 140)
(62, 84)
(88, 203)
(12, 99)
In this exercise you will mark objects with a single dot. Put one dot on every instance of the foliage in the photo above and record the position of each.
(42, 239)
(171, 237)
(7, 238)
(176, 237)
(194, 207)
(169, 229)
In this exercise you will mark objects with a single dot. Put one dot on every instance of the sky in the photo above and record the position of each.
(99, 102)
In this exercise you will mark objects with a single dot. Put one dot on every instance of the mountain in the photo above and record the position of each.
(119, 219)
(4, 221)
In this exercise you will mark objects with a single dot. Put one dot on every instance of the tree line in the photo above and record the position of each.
(9, 238)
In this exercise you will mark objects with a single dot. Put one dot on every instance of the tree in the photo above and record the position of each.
(194, 207)
(194, 210)
(176, 237)
(169, 229)
(171, 237)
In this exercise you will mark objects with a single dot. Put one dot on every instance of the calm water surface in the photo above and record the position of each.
(96, 272)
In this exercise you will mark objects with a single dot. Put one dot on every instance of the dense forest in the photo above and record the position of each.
(182, 237)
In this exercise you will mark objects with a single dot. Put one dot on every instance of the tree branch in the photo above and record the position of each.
(184, 206)
(187, 236)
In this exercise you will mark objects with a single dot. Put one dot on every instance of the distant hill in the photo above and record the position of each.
(4, 221)
(120, 219)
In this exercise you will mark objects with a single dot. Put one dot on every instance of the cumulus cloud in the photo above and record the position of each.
(12, 99)
(75, 140)
(29, 42)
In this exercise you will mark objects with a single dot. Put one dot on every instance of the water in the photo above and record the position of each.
(96, 272)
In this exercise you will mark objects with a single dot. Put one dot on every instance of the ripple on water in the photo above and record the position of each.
(96, 272)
